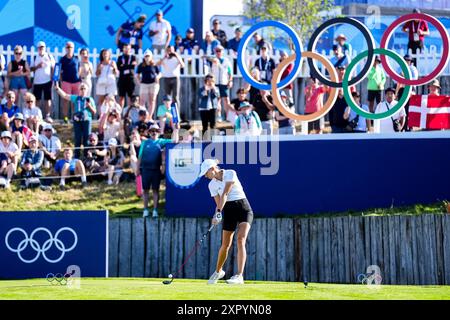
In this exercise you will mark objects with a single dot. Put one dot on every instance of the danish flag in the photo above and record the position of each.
(429, 112)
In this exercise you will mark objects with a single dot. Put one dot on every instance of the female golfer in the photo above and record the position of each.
(230, 198)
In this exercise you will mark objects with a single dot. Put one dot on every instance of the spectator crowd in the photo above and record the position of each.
(132, 127)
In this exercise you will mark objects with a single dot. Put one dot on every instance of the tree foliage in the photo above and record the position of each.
(302, 15)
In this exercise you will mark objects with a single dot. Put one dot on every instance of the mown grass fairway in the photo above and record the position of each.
(153, 289)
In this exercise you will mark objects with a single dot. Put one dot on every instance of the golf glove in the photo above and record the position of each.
(217, 218)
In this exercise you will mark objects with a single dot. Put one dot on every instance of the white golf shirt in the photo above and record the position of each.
(162, 27)
(43, 74)
(217, 187)
(221, 71)
(52, 145)
(386, 125)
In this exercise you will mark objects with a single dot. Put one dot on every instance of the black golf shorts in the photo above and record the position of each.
(236, 212)
(150, 179)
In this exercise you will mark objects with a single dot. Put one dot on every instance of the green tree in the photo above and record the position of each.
(302, 15)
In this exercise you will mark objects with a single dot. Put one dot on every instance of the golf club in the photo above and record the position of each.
(194, 249)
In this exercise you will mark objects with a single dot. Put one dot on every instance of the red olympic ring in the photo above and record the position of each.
(445, 54)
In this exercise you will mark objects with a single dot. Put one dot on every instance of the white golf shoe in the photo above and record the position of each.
(236, 279)
(145, 213)
(216, 277)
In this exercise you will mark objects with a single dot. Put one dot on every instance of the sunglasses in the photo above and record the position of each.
(69, 47)
(48, 130)
(17, 52)
(10, 97)
(154, 131)
(30, 101)
(82, 88)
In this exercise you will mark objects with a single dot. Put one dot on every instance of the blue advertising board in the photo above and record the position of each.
(35, 244)
(316, 173)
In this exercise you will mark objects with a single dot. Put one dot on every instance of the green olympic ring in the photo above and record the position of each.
(400, 104)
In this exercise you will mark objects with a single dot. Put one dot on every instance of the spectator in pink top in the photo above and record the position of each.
(314, 93)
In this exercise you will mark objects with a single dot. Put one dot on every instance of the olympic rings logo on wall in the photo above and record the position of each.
(333, 83)
(37, 247)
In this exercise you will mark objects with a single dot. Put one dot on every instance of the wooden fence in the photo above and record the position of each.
(408, 249)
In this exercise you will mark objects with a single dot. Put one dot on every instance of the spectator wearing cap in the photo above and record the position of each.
(400, 88)
(314, 93)
(84, 111)
(9, 109)
(85, 70)
(70, 166)
(149, 166)
(110, 126)
(288, 90)
(114, 162)
(260, 42)
(20, 132)
(12, 153)
(18, 71)
(417, 30)
(247, 122)
(341, 40)
(148, 76)
(70, 79)
(356, 122)
(50, 145)
(43, 66)
(222, 71)
(106, 73)
(126, 64)
(161, 32)
(189, 44)
(434, 88)
(218, 33)
(31, 163)
(31, 113)
(131, 33)
(164, 113)
(171, 71)
(375, 84)
(209, 44)
(94, 162)
(241, 97)
(393, 123)
(130, 116)
(209, 100)
(339, 58)
(265, 64)
(286, 126)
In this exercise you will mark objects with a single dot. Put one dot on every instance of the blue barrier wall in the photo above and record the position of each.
(34, 244)
(331, 173)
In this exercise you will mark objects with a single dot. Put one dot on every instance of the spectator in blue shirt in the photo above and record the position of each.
(233, 45)
(9, 108)
(209, 44)
(84, 109)
(131, 33)
(189, 44)
(70, 80)
(32, 160)
(149, 166)
(69, 166)
(357, 123)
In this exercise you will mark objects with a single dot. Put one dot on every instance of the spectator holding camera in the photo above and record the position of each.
(391, 124)
(209, 100)
(94, 162)
(84, 109)
(110, 126)
(171, 70)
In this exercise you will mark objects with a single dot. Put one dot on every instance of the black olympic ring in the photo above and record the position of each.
(370, 48)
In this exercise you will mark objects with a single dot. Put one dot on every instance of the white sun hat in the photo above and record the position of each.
(206, 165)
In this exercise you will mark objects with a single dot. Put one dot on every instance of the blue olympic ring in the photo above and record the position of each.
(245, 40)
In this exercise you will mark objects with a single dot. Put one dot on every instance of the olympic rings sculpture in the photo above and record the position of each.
(58, 279)
(41, 248)
(333, 84)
